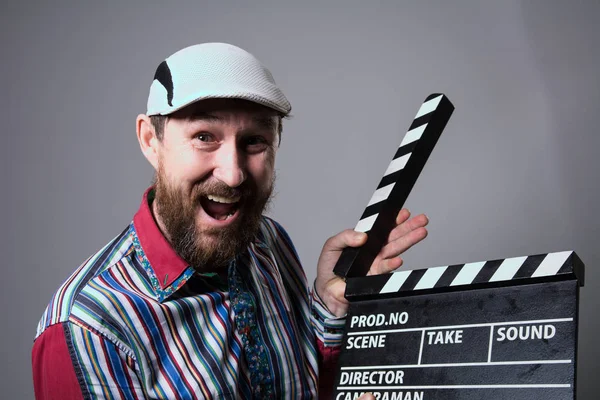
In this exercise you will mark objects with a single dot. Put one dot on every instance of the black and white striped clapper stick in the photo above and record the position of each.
(504, 272)
(379, 217)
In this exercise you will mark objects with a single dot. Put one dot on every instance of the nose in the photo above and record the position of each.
(229, 166)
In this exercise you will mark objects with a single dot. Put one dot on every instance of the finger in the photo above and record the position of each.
(385, 266)
(367, 396)
(403, 243)
(347, 238)
(404, 228)
(402, 216)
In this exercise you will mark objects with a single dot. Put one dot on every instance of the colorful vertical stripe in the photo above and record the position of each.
(130, 338)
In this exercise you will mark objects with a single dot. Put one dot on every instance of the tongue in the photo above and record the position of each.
(218, 210)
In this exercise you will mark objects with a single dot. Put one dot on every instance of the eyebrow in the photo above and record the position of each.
(263, 122)
(203, 116)
(266, 123)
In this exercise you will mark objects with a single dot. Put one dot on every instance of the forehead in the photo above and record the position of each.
(228, 111)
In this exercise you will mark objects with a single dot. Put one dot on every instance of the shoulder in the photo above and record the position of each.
(274, 236)
(275, 240)
(64, 299)
(272, 231)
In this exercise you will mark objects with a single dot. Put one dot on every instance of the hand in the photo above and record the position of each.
(367, 396)
(331, 288)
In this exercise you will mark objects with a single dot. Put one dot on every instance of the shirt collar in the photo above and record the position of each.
(165, 263)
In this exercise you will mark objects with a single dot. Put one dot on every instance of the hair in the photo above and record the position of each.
(159, 121)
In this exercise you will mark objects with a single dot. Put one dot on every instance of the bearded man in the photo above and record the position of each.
(201, 296)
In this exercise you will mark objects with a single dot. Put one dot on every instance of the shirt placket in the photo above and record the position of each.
(243, 304)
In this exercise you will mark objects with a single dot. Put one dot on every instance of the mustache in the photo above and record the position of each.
(218, 188)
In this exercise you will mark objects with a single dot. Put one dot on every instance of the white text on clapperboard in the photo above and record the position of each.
(375, 378)
(357, 382)
(364, 321)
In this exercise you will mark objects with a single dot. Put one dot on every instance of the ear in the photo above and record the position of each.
(146, 136)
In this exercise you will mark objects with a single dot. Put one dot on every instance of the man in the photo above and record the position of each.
(201, 296)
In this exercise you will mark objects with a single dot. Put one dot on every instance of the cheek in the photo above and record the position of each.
(262, 168)
(186, 167)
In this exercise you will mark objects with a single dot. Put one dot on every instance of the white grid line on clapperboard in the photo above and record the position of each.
(443, 365)
(437, 328)
(469, 364)
(499, 386)
(491, 342)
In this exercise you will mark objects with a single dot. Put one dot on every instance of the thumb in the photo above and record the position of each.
(347, 238)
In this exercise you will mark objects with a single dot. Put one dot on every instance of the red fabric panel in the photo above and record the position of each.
(53, 373)
(165, 262)
(328, 357)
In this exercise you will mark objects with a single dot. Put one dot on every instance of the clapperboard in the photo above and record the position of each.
(499, 329)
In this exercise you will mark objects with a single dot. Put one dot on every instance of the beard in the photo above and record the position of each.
(209, 249)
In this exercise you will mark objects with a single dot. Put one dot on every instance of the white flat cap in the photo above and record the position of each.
(212, 71)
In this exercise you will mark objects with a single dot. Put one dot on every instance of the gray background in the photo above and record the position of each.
(515, 172)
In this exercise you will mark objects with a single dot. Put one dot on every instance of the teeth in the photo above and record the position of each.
(219, 199)
(226, 217)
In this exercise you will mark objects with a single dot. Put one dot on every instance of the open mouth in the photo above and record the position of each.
(220, 208)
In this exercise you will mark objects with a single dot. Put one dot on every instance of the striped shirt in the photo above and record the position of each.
(135, 321)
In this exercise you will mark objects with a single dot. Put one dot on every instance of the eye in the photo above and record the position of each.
(254, 140)
(255, 144)
(204, 137)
